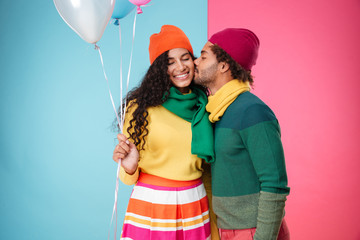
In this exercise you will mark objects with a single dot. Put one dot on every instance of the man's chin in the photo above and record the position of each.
(198, 82)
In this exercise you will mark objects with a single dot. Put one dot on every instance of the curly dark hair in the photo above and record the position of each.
(237, 72)
(152, 91)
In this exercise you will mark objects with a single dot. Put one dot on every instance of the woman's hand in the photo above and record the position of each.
(128, 153)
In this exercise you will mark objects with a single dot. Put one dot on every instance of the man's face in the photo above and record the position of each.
(206, 67)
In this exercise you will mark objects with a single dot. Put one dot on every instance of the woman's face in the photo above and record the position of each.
(180, 68)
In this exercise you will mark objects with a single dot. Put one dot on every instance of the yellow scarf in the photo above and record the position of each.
(226, 95)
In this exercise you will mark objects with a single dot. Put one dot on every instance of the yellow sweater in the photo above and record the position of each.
(167, 151)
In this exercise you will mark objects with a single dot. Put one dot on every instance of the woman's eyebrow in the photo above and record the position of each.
(180, 56)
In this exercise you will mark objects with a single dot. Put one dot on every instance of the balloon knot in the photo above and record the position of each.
(139, 11)
(116, 22)
(96, 47)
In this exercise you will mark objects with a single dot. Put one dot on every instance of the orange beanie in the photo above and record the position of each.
(168, 38)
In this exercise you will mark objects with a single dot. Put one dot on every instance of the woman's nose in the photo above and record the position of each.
(181, 66)
(196, 61)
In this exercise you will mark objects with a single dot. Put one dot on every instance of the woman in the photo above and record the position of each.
(169, 134)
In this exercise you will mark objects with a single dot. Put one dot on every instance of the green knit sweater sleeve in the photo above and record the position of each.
(263, 143)
(270, 215)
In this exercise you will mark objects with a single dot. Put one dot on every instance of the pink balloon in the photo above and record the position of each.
(88, 18)
(139, 3)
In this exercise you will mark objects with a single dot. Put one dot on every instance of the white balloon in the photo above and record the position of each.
(88, 18)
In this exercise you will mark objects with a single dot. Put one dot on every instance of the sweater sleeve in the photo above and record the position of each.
(270, 215)
(262, 140)
(127, 178)
(123, 175)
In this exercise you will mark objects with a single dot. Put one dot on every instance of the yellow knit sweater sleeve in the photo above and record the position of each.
(124, 176)
(127, 178)
(167, 150)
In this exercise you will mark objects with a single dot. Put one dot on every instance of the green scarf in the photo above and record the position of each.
(191, 107)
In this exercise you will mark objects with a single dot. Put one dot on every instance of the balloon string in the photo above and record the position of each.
(132, 49)
(122, 113)
(131, 54)
(114, 213)
(121, 122)
(119, 163)
(107, 81)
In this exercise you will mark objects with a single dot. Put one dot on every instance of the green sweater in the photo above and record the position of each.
(249, 180)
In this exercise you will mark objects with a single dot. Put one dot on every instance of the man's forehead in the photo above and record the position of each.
(206, 47)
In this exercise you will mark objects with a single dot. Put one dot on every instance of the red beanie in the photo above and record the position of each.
(241, 44)
(168, 38)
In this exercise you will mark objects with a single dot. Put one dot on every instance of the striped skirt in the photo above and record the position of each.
(160, 208)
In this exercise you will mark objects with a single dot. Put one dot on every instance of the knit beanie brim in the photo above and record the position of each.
(168, 38)
(241, 44)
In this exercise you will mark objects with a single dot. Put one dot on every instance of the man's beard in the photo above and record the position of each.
(206, 77)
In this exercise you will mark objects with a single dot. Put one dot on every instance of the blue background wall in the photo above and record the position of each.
(56, 139)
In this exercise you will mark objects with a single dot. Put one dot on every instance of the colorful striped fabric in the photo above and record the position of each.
(166, 209)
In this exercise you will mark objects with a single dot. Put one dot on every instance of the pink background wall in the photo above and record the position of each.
(308, 73)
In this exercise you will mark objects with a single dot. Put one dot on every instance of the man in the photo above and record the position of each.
(249, 181)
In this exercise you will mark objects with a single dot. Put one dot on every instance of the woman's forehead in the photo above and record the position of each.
(177, 52)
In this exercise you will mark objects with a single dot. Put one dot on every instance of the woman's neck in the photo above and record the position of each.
(184, 90)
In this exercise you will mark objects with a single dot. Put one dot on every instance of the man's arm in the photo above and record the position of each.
(264, 145)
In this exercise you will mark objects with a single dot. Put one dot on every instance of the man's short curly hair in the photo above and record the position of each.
(237, 72)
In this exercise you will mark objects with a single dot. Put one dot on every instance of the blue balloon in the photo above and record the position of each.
(122, 9)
